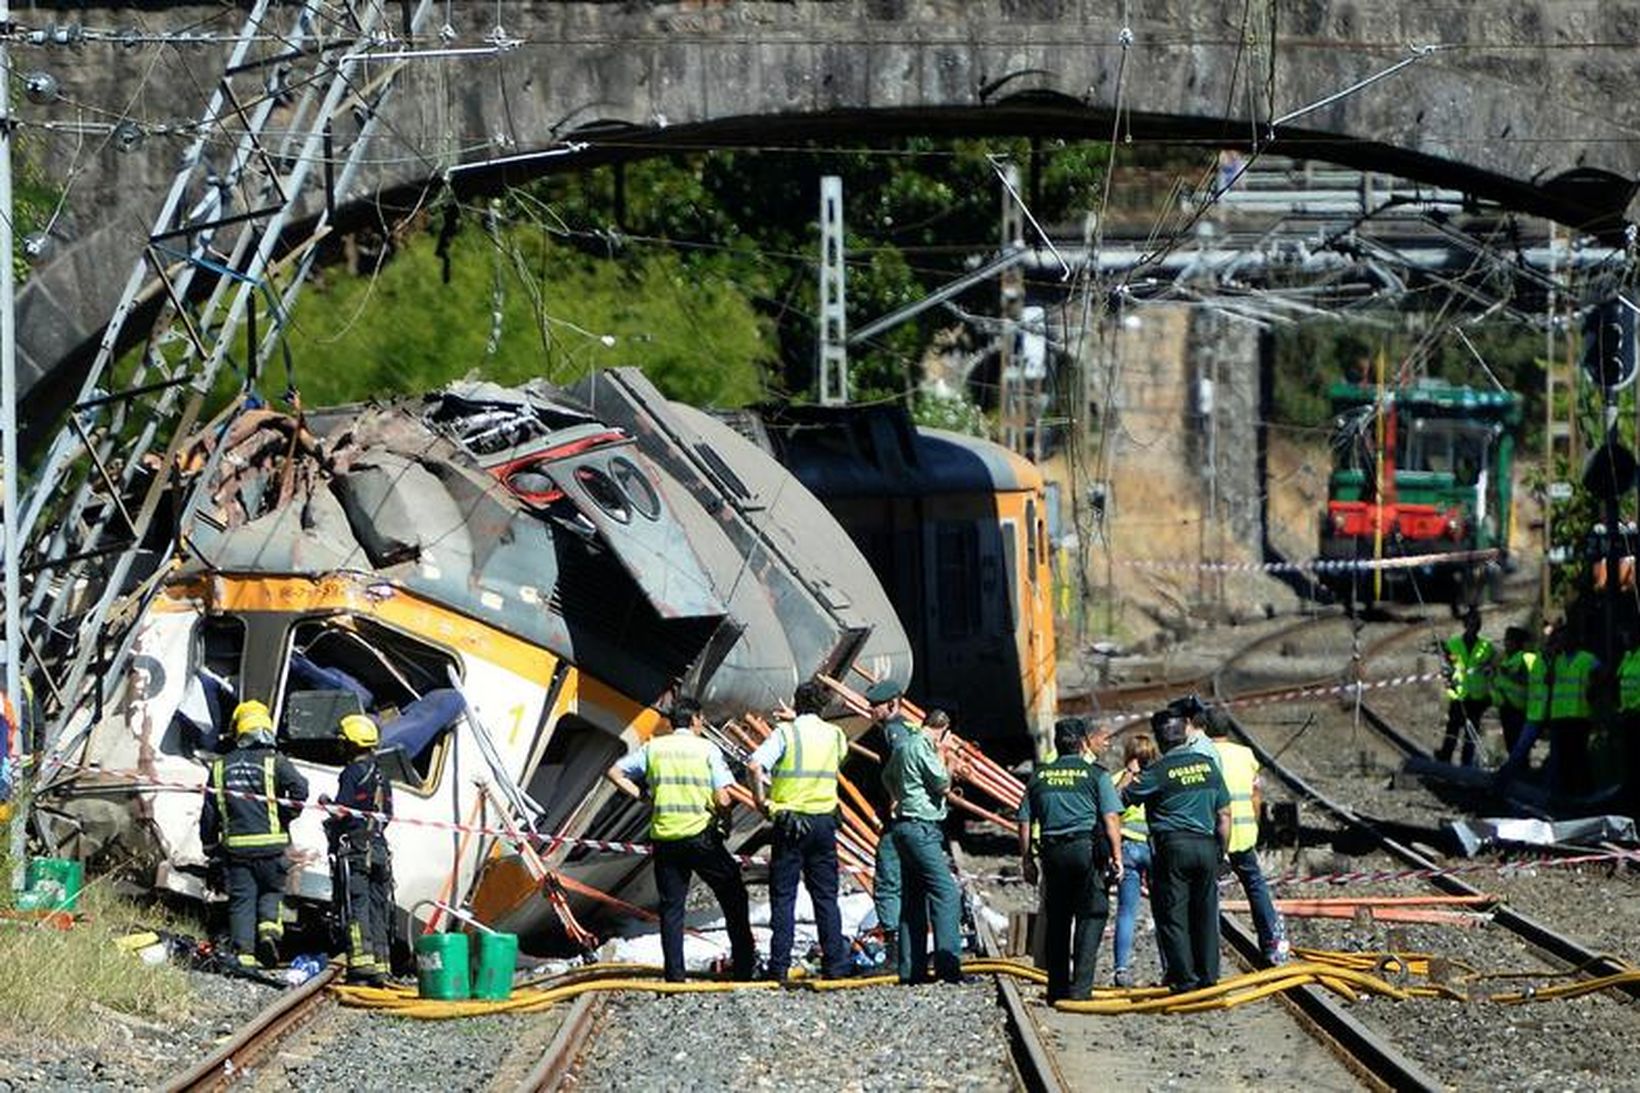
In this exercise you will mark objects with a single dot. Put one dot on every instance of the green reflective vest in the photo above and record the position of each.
(1509, 685)
(1133, 824)
(1240, 768)
(804, 778)
(1569, 692)
(1537, 690)
(1628, 682)
(679, 773)
(1471, 668)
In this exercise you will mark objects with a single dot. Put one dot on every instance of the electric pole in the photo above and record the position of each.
(1010, 381)
(833, 288)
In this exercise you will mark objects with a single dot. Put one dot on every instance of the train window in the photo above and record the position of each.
(1010, 572)
(602, 489)
(956, 583)
(338, 666)
(212, 691)
(636, 486)
(1031, 546)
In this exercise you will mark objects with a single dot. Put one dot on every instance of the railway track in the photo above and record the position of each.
(258, 1038)
(1563, 955)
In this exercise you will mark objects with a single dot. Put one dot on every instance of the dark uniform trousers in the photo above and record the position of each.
(1513, 720)
(1628, 728)
(703, 855)
(1569, 756)
(1076, 905)
(886, 883)
(256, 887)
(369, 902)
(809, 852)
(1463, 722)
(1185, 898)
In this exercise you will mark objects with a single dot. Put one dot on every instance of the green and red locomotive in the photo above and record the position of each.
(1420, 498)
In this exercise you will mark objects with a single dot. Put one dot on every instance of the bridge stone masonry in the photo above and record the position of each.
(1527, 102)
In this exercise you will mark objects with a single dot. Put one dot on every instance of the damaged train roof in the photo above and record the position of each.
(639, 538)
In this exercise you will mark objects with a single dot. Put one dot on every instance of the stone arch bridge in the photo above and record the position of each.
(1531, 103)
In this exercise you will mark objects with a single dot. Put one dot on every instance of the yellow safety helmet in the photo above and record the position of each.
(250, 717)
(359, 730)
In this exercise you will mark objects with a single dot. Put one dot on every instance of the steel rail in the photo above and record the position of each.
(1541, 936)
(566, 1046)
(257, 1039)
(1033, 1064)
(1369, 1056)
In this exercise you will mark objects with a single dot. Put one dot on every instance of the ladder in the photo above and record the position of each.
(301, 100)
(1562, 445)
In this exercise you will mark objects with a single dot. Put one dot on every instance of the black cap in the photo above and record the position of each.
(1189, 706)
(884, 690)
(1168, 728)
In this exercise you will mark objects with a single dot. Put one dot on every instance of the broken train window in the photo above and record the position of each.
(213, 685)
(344, 664)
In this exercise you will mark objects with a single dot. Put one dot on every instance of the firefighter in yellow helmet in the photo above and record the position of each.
(251, 796)
(362, 866)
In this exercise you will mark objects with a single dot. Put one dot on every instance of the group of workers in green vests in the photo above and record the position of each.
(793, 778)
(1191, 804)
(1554, 692)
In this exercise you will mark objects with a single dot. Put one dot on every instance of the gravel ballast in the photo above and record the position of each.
(115, 1051)
(876, 1038)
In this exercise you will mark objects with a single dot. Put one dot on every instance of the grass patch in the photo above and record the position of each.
(53, 977)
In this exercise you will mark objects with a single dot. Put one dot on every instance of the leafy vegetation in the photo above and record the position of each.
(698, 268)
(1309, 357)
(518, 305)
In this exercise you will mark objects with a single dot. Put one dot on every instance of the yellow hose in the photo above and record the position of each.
(1350, 975)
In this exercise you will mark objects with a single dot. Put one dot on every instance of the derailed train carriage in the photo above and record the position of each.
(513, 582)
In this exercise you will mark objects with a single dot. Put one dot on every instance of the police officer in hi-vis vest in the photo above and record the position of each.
(800, 760)
(1240, 768)
(1469, 663)
(688, 784)
(1628, 717)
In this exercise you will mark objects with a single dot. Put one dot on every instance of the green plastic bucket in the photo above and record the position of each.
(56, 882)
(497, 961)
(441, 966)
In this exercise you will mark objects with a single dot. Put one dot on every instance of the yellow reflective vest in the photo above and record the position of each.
(679, 772)
(1537, 690)
(1471, 668)
(1569, 690)
(1628, 682)
(804, 778)
(1133, 824)
(1240, 769)
(1509, 685)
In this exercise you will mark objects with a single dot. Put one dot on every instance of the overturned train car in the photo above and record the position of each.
(514, 582)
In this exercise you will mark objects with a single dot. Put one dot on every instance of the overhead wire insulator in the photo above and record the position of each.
(41, 88)
(128, 136)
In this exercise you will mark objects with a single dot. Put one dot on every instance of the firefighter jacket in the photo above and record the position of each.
(362, 786)
(241, 815)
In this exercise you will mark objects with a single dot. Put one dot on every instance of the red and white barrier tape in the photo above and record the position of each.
(1316, 565)
(1298, 694)
(1515, 865)
(549, 842)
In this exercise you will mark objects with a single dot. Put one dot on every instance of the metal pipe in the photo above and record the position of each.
(8, 450)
